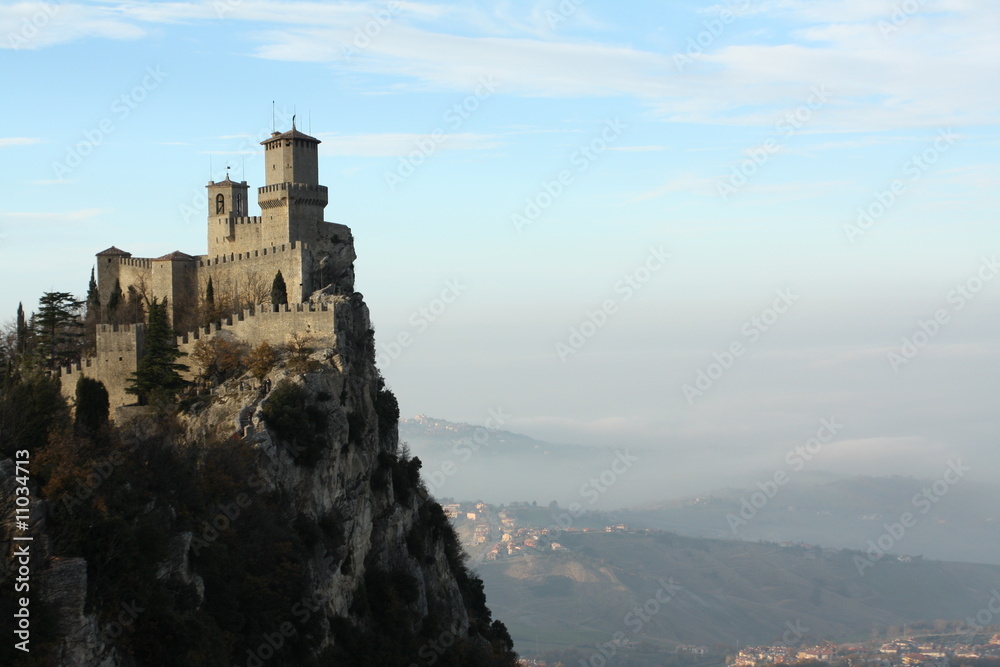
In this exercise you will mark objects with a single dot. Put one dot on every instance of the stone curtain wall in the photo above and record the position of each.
(119, 347)
(118, 350)
(262, 264)
(276, 326)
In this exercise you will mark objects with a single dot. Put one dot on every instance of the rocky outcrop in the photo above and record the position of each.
(372, 567)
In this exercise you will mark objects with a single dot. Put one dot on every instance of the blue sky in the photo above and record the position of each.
(539, 153)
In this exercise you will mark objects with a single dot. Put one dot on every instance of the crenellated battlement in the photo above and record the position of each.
(78, 367)
(241, 219)
(293, 188)
(118, 328)
(289, 317)
(139, 262)
(204, 260)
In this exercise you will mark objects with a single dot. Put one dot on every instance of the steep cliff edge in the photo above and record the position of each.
(256, 528)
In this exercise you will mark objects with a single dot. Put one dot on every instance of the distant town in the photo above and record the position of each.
(517, 530)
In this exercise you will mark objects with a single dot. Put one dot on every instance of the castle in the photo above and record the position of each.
(245, 253)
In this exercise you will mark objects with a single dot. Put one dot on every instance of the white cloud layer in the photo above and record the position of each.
(885, 69)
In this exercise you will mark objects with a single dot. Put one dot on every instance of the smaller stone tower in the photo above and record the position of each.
(227, 202)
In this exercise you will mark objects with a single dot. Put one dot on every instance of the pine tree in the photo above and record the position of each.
(279, 294)
(57, 328)
(158, 377)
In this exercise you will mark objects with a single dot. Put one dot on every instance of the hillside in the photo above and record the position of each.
(468, 462)
(715, 592)
(959, 525)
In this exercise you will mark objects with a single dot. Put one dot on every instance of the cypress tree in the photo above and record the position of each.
(93, 314)
(22, 331)
(158, 376)
(115, 298)
(279, 294)
(93, 295)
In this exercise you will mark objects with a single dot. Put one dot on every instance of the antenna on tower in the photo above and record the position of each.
(310, 121)
(272, 117)
(243, 167)
(211, 171)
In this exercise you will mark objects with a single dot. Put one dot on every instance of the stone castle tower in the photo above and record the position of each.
(244, 254)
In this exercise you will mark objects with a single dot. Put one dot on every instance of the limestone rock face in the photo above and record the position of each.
(350, 485)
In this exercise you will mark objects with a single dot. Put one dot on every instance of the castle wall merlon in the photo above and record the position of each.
(204, 260)
(273, 325)
(138, 262)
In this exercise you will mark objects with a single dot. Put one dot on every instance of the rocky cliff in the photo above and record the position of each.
(274, 522)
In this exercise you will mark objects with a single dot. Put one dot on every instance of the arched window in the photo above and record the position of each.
(239, 205)
(220, 204)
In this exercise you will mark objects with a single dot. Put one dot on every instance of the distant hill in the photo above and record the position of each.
(497, 466)
(468, 462)
(962, 525)
(704, 591)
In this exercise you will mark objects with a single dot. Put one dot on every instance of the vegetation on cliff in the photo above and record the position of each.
(194, 557)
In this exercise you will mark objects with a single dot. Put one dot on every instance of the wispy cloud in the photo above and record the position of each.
(934, 69)
(7, 142)
(37, 25)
